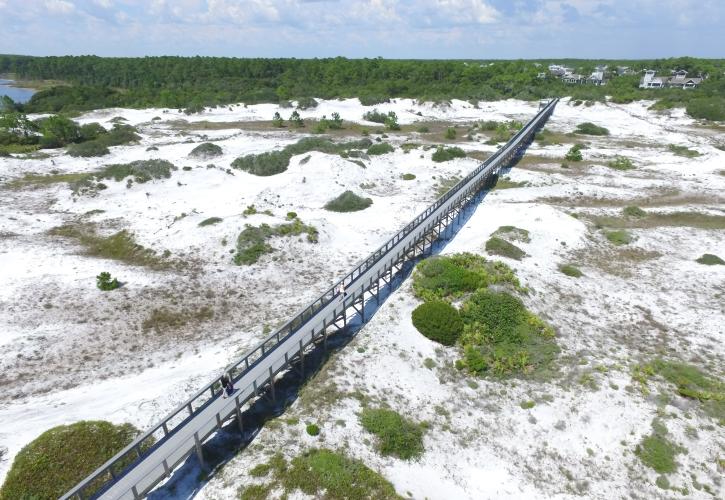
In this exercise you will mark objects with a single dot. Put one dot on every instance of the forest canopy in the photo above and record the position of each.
(191, 83)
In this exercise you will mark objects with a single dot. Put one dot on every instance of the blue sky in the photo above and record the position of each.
(366, 28)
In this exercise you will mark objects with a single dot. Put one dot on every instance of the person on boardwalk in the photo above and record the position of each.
(228, 388)
(224, 382)
(342, 291)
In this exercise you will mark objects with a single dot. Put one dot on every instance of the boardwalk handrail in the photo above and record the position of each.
(195, 405)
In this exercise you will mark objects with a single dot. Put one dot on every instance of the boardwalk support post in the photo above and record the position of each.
(199, 452)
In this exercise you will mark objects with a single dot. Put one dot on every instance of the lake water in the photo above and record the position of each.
(16, 94)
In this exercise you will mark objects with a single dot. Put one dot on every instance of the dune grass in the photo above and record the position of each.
(252, 242)
(499, 246)
(709, 259)
(348, 202)
(571, 271)
(396, 435)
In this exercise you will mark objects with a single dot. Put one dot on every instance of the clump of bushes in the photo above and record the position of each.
(632, 211)
(588, 128)
(313, 429)
(513, 233)
(396, 435)
(710, 260)
(390, 119)
(499, 246)
(657, 452)
(275, 162)
(140, 170)
(442, 154)
(439, 321)
(206, 150)
(210, 221)
(571, 271)
(620, 237)
(252, 241)
(348, 202)
(683, 151)
(407, 177)
(88, 149)
(106, 283)
(450, 133)
(61, 457)
(451, 276)
(621, 163)
(575, 153)
(380, 148)
(707, 108)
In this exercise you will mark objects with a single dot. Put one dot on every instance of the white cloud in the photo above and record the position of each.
(59, 6)
(106, 4)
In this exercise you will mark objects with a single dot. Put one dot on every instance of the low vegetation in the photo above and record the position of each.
(621, 163)
(658, 452)
(312, 429)
(506, 183)
(162, 319)
(439, 321)
(88, 149)
(619, 237)
(709, 259)
(407, 177)
(348, 202)
(588, 128)
(105, 283)
(513, 233)
(275, 162)
(632, 211)
(381, 148)
(442, 154)
(683, 151)
(120, 246)
(574, 153)
(502, 337)
(140, 171)
(252, 242)
(452, 276)
(206, 150)
(571, 271)
(396, 435)
(499, 246)
(322, 473)
(210, 221)
(61, 457)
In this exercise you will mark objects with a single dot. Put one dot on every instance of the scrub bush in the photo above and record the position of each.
(396, 435)
(348, 202)
(439, 321)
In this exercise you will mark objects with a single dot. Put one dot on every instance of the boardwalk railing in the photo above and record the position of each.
(150, 458)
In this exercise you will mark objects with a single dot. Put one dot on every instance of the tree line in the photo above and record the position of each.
(193, 83)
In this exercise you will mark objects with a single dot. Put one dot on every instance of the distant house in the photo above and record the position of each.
(597, 78)
(573, 78)
(541, 76)
(625, 70)
(558, 70)
(679, 79)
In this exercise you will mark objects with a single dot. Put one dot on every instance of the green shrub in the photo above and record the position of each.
(348, 202)
(620, 237)
(119, 135)
(574, 153)
(423, 130)
(313, 429)
(527, 405)
(710, 260)
(633, 211)
(206, 150)
(396, 435)
(683, 151)
(329, 474)
(255, 492)
(441, 277)
(450, 133)
(407, 177)
(105, 282)
(707, 108)
(621, 163)
(91, 131)
(657, 452)
(252, 241)
(442, 154)
(588, 128)
(380, 149)
(58, 131)
(306, 103)
(498, 246)
(500, 313)
(277, 120)
(513, 233)
(210, 221)
(375, 116)
(61, 457)
(570, 270)
(439, 321)
(87, 149)
(291, 215)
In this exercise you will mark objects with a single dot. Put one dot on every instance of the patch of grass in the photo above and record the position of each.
(323, 473)
(407, 177)
(588, 128)
(120, 246)
(527, 405)
(632, 211)
(163, 319)
(255, 492)
(312, 429)
(710, 260)
(657, 452)
(442, 154)
(37, 180)
(445, 184)
(513, 233)
(140, 171)
(618, 238)
(275, 162)
(506, 183)
(348, 202)
(206, 150)
(59, 458)
(380, 148)
(252, 241)
(683, 151)
(621, 163)
(499, 246)
(260, 470)
(210, 221)
(570, 270)
(451, 276)
(439, 321)
(396, 435)
(501, 337)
